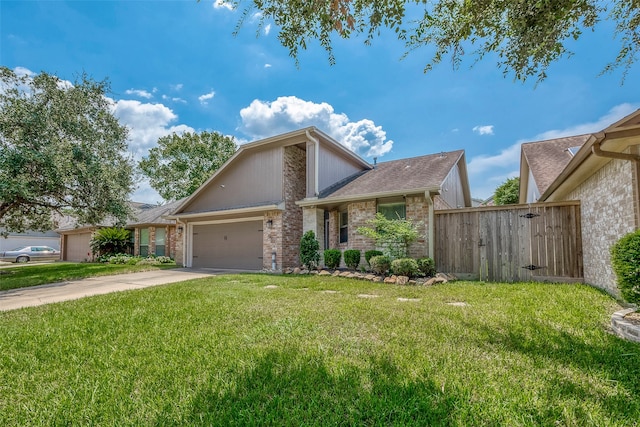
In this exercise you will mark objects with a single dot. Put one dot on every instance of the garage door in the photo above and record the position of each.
(236, 245)
(76, 247)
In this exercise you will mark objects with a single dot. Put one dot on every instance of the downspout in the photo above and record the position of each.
(431, 228)
(316, 159)
(184, 241)
(596, 150)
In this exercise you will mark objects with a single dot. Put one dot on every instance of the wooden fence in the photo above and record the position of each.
(540, 242)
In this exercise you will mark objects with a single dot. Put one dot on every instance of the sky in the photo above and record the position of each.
(176, 66)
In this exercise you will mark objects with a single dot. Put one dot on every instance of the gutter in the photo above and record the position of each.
(431, 230)
(369, 196)
(597, 151)
(316, 158)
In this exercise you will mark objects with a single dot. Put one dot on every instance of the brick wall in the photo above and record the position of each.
(418, 213)
(608, 213)
(272, 239)
(295, 175)
(178, 245)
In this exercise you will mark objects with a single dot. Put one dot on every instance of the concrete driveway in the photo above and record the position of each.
(56, 292)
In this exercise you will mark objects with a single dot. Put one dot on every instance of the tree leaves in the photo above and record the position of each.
(61, 149)
(527, 36)
(181, 163)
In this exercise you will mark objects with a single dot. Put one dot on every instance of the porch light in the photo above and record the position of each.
(270, 223)
(180, 229)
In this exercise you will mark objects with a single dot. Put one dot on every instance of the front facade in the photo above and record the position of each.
(253, 212)
(602, 173)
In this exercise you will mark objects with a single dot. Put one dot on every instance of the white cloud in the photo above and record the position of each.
(146, 122)
(177, 87)
(21, 71)
(222, 4)
(139, 92)
(486, 172)
(267, 29)
(267, 65)
(262, 119)
(174, 99)
(483, 130)
(612, 116)
(206, 97)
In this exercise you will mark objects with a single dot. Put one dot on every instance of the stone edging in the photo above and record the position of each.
(624, 329)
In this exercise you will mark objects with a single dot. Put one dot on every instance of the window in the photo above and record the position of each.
(344, 227)
(393, 210)
(144, 242)
(160, 239)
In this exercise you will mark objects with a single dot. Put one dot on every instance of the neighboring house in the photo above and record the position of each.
(252, 212)
(151, 233)
(600, 170)
(29, 238)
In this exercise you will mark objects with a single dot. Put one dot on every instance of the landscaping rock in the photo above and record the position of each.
(304, 272)
(345, 274)
(390, 280)
(377, 279)
(336, 273)
(371, 277)
(296, 270)
(324, 273)
(402, 280)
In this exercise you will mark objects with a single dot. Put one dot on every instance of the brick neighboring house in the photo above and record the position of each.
(151, 233)
(600, 170)
(252, 212)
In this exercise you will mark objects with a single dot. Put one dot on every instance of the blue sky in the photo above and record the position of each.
(175, 66)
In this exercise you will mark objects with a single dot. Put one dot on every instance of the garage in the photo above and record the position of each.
(76, 247)
(236, 245)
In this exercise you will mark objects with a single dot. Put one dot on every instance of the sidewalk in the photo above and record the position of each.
(65, 291)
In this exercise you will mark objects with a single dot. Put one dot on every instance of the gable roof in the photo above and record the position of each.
(396, 177)
(297, 137)
(155, 215)
(547, 159)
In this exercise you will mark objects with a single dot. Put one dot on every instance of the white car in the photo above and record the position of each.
(30, 253)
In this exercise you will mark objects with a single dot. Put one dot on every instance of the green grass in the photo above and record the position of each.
(40, 274)
(228, 351)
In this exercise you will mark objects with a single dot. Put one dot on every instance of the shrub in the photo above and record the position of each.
(309, 250)
(405, 267)
(332, 258)
(110, 241)
(370, 254)
(164, 259)
(427, 266)
(625, 257)
(380, 264)
(352, 258)
(148, 261)
(121, 259)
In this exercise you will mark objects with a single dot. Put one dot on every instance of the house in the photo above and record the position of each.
(252, 213)
(600, 170)
(152, 234)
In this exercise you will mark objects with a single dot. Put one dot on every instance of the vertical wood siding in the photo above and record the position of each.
(452, 192)
(334, 168)
(498, 243)
(255, 178)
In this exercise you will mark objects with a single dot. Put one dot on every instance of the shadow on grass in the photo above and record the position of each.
(291, 389)
(612, 364)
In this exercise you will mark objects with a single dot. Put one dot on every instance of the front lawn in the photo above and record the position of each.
(291, 350)
(40, 274)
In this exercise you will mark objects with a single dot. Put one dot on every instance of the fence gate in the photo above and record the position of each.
(540, 242)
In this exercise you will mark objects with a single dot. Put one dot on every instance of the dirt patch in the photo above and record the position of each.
(633, 318)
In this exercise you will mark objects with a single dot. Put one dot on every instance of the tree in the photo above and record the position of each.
(507, 193)
(392, 235)
(181, 163)
(526, 35)
(61, 150)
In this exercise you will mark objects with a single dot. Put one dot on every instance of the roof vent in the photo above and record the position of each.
(375, 162)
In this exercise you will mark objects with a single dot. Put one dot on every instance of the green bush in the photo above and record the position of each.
(332, 258)
(405, 267)
(380, 264)
(352, 258)
(110, 241)
(309, 250)
(148, 261)
(625, 257)
(427, 266)
(370, 254)
(120, 259)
